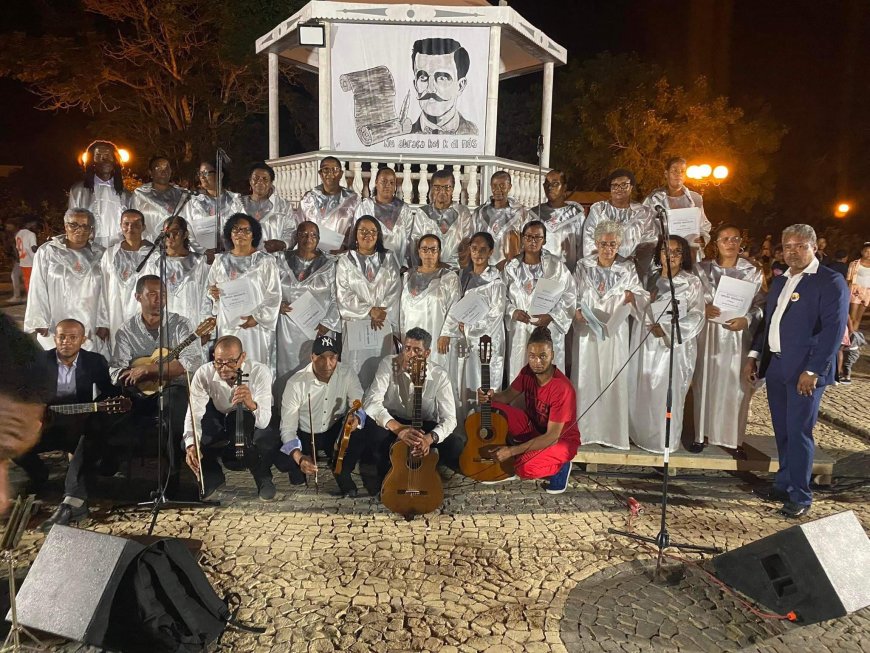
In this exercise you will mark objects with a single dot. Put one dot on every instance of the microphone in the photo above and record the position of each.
(223, 155)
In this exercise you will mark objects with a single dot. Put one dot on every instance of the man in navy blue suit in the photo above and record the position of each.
(796, 353)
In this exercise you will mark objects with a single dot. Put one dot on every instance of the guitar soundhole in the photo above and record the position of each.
(485, 434)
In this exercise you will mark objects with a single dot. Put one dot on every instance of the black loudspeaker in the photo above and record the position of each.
(70, 587)
(820, 570)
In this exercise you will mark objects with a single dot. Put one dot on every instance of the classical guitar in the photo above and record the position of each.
(342, 442)
(150, 386)
(413, 486)
(112, 405)
(241, 422)
(486, 429)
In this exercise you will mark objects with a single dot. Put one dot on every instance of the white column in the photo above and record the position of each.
(407, 187)
(324, 90)
(273, 106)
(423, 185)
(473, 188)
(547, 112)
(357, 182)
(492, 89)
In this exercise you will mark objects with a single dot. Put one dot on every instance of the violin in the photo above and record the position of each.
(342, 442)
(242, 426)
(413, 486)
(486, 430)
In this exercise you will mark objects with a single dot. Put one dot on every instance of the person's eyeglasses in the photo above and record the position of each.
(477, 249)
(796, 247)
(675, 252)
(77, 226)
(205, 173)
(330, 171)
(429, 250)
(609, 244)
(241, 231)
(553, 184)
(623, 186)
(366, 232)
(729, 239)
(533, 239)
(310, 235)
(232, 362)
(500, 186)
(438, 188)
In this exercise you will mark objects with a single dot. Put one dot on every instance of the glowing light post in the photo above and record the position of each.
(842, 209)
(704, 171)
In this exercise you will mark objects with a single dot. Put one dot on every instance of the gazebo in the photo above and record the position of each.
(374, 68)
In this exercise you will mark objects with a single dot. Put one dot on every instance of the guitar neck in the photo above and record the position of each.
(173, 353)
(485, 409)
(417, 408)
(74, 409)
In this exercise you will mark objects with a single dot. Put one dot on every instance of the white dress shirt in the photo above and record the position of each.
(329, 403)
(207, 384)
(389, 397)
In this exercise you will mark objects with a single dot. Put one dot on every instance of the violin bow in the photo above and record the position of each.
(313, 445)
(196, 447)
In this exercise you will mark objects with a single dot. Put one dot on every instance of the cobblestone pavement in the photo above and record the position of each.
(504, 568)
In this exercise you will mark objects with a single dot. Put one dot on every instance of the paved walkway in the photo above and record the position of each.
(505, 568)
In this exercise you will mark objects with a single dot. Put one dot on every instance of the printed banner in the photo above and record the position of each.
(409, 89)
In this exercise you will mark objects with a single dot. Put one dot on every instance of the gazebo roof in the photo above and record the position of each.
(524, 48)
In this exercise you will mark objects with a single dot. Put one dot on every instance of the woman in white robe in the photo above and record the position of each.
(648, 384)
(428, 291)
(563, 219)
(605, 282)
(186, 274)
(158, 198)
(395, 216)
(200, 210)
(242, 235)
(66, 283)
(482, 279)
(721, 397)
(304, 269)
(368, 291)
(118, 266)
(521, 276)
(451, 221)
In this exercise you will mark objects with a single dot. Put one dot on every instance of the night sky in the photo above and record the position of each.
(808, 61)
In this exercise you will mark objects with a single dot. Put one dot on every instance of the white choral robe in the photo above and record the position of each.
(156, 206)
(298, 277)
(721, 398)
(118, 297)
(454, 226)
(426, 299)
(688, 198)
(276, 217)
(356, 296)
(335, 212)
(564, 230)
(397, 219)
(260, 267)
(66, 283)
(200, 213)
(186, 285)
(467, 372)
(595, 362)
(520, 279)
(106, 205)
(499, 223)
(639, 236)
(648, 370)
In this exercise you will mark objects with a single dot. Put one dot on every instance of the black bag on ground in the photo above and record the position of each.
(165, 603)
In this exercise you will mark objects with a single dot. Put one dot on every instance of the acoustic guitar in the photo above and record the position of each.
(149, 386)
(413, 486)
(112, 405)
(486, 429)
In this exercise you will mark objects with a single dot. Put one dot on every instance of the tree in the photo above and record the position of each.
(617, 111)
(174, 76)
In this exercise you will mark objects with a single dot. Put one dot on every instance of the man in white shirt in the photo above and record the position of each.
(214, 396)
(388, 403)
(317, 400)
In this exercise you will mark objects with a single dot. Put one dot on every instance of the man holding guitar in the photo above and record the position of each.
(75, 373)
(215, 395)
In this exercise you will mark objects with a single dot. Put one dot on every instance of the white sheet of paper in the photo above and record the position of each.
(684, 222)
(733, 297)
(616, 319)
(659, 311)
(330, 240)
(237, 299)
(361, 335)
(307, 313)
(205, 232)
(593, 322)
(545, 296)
(471, 309)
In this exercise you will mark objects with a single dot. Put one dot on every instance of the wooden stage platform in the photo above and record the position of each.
(760, 457)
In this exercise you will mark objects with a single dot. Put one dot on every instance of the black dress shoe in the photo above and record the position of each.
(696, 447)
(347, 493)
(65, 514)
(265, 489)
(771, 494)
(793, 510)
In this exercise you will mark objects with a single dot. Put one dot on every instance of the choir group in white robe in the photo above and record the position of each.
(118, 297)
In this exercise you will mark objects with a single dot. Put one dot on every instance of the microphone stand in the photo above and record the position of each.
(663, 539)
(220, 158)
(158, 497)
(540, 174)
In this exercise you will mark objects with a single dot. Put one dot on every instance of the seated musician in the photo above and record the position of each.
(317, 399)
(214, 395)
(388, 404)
(75, 372)
(544, 433)
(139, 338)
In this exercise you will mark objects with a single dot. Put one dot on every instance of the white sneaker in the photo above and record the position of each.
(504, 480)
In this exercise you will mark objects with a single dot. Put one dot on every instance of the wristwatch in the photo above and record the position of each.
(810, 373)
(435, 438)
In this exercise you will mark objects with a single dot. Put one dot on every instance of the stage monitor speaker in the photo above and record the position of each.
(70, 587)
(820, 569)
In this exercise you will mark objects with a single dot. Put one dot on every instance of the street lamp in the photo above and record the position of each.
(123, 154)
(703, 172)
(842, 209)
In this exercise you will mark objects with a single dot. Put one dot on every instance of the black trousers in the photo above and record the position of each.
(217, 442)
(382, 439)
(325, 443)
(140, 425)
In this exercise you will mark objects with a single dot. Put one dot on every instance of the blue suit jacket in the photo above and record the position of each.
(811, 328)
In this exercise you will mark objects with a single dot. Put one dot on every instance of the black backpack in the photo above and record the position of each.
(165, 604)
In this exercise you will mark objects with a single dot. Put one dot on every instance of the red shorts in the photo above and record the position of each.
(535, 464)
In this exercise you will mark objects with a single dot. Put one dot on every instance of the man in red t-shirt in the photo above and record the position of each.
(544, 436)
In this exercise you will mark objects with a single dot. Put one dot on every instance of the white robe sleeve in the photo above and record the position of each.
(37, 314)
(269, 280)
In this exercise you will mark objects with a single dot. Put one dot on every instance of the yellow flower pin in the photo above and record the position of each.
(795, 296)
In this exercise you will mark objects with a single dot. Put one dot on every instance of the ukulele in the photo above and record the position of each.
(242, 426)
(486, 429)
(342, 442)
(112, 405)
(413, 486)
(148, 387)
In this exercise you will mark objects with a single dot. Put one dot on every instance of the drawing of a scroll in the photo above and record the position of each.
(374, 104)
